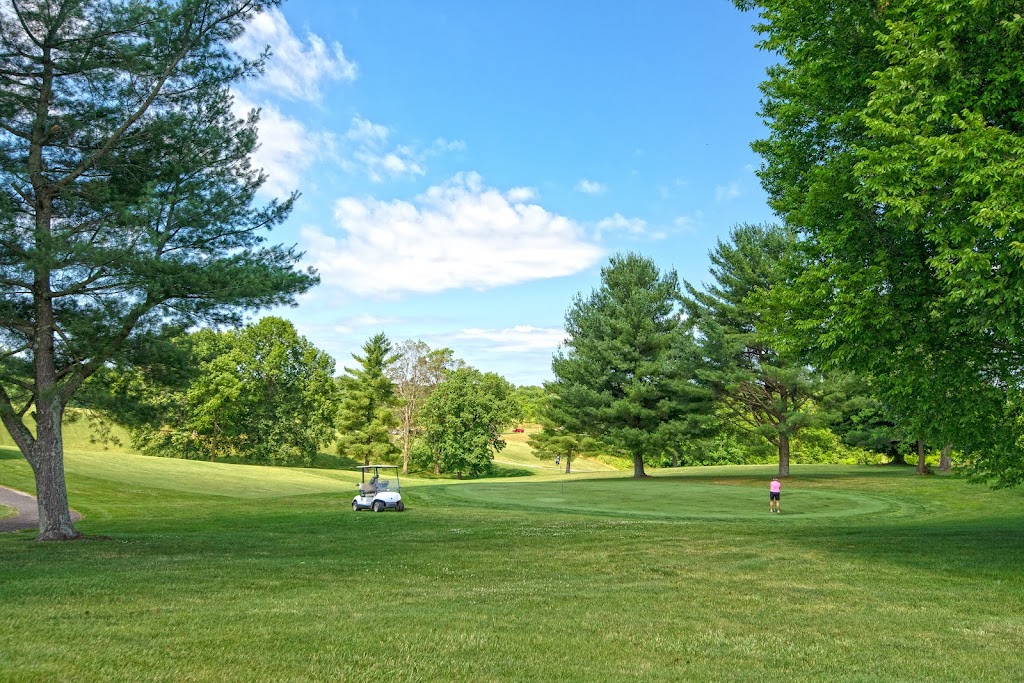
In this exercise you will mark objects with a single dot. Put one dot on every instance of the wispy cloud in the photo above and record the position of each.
(619, 223)
(590, 187)
(517, 339)
(458, 234)
(725, 193)
(295, 68)
(372, 154)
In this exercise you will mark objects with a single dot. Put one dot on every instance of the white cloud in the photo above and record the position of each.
(373, 157)
(367, 132)
(286, 147)
(521, 194)
(518, 339)
(633, 226)
(459, 234)
(295, 68)
(350, 325)
(724, 193)
(590, 187)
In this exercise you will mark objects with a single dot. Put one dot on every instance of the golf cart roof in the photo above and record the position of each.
(377, 467)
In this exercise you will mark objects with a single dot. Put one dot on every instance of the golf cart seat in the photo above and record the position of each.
(367, 489)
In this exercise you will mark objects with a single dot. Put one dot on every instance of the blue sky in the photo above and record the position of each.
(467, 168)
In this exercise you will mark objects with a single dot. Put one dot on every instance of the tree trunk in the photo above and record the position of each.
(675, 459)
(47, 460)
(638, 466)
(922, 468)
(437, 464)
(568, 463)
(946, 459)
(405, 447)
(783, 455)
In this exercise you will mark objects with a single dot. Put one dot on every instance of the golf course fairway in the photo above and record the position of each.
(196, 571)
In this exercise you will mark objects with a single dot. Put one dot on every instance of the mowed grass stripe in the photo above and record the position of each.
(658, 499)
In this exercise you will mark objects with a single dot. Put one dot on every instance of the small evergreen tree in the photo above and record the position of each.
(366, 412)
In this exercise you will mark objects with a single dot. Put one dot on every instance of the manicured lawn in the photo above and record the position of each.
(228, 573)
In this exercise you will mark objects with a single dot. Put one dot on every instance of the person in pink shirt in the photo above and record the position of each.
(774, 496)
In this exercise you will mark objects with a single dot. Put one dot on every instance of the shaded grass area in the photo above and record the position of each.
(871, 574)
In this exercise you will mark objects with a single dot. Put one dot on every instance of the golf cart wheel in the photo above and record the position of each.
(400, 506)
(355, 506)
(378, 506)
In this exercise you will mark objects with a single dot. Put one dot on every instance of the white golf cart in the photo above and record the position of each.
(379, 494)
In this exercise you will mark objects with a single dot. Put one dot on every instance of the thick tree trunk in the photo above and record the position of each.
(922, 468)
(568, 463)
(783, 455)
(47, 460)
(946, 459)
(638, 466)
(437, 464)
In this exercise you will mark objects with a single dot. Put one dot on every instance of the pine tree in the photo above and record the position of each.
(366, 412)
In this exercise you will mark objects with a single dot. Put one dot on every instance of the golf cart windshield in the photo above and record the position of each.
(381, 479)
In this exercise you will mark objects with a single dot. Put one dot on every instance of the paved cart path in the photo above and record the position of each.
(28, 512)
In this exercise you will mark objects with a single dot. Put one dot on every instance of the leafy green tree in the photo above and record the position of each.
(464, 418)
(758, 387)
(416, 371)
(622, 376)
(262, 394)
(893, 145)
(532, 399)
(126, 201)
(366, 415)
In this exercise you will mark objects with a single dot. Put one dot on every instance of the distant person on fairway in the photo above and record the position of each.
(774, 494)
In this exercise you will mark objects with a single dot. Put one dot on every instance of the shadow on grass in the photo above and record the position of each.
(965, 548)
(8, 453)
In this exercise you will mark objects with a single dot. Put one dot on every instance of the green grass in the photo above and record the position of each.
(517, 453)
(7, 512)
(215, 572)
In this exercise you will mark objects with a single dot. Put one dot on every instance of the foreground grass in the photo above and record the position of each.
(230, 573)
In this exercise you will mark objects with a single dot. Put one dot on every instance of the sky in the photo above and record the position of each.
(467, 168)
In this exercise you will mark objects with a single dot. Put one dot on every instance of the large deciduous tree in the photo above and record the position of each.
(126, 201)
(622, 376)
(262, 394)
(465, 416)
(894, 147)
(415, 372)
(366, 413)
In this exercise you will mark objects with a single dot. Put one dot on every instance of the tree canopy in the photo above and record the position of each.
(893, 147)
(759, 388)
(262, 394)
(126, 200)
(465, 415)
(621, 376)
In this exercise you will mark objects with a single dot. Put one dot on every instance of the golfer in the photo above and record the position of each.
(774, 493)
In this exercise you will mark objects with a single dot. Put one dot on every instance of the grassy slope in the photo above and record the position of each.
(517, 452)
(233, 573)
